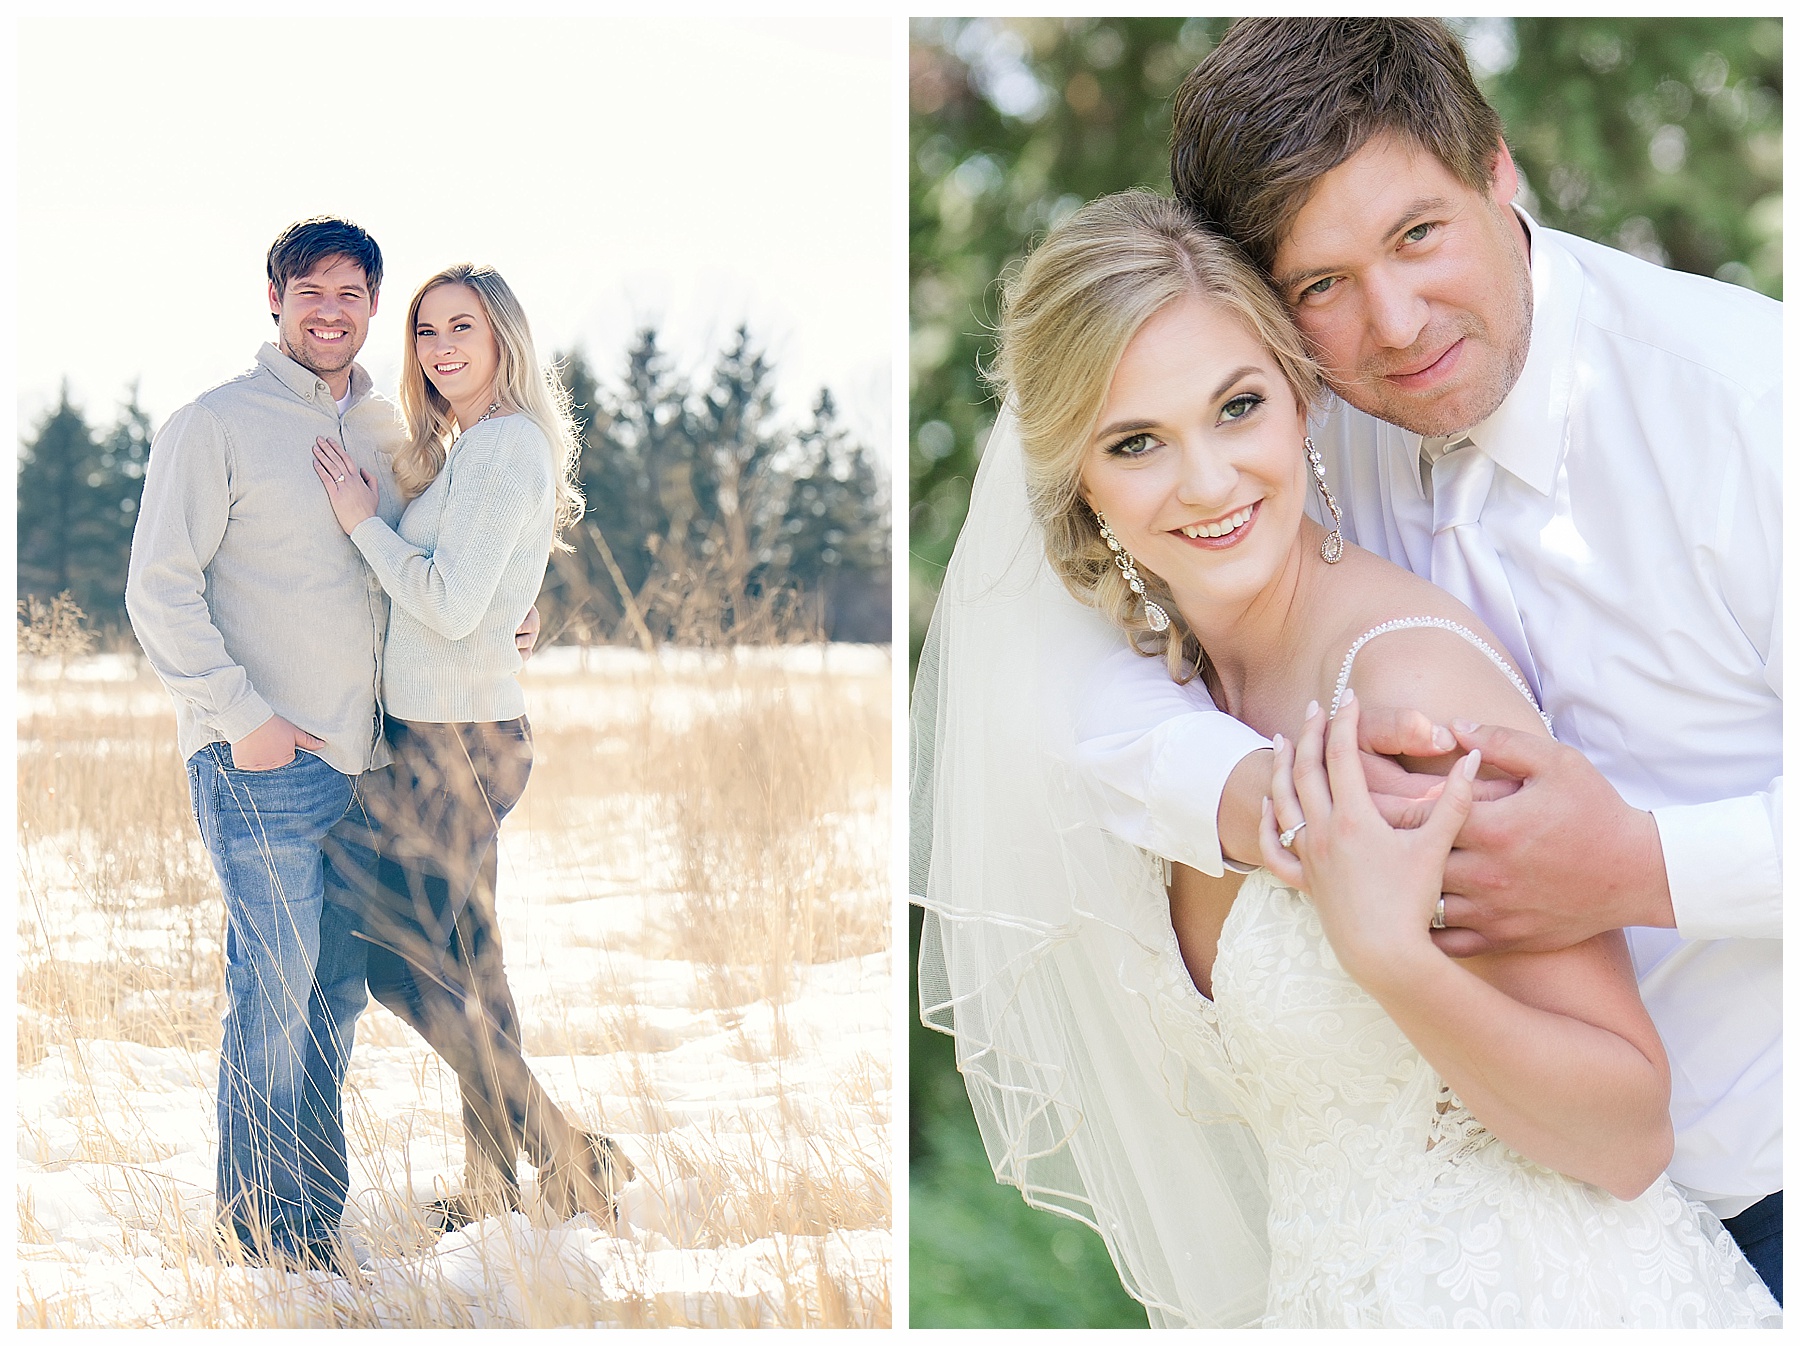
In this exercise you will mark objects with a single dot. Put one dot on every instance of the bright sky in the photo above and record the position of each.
(689, 173)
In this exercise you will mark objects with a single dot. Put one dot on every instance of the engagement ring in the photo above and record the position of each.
(1437, 916)
(339, 477)
(1287, 837)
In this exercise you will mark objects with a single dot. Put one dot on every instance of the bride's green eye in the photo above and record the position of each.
(1132, 446)
(1239, 407)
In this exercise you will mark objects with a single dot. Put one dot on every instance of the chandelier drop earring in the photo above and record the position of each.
(1153, 613)
(1332, 548)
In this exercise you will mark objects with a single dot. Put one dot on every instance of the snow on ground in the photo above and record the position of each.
(762, 1132)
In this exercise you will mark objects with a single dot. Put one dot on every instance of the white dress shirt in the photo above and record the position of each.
(1637, 517)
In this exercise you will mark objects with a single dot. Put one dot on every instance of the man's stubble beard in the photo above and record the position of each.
(321, 362)
(1409, 414)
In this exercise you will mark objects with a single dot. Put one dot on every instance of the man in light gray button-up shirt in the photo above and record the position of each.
(260, 617)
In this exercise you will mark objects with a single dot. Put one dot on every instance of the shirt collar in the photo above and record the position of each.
(1525, 433)
(306, 385)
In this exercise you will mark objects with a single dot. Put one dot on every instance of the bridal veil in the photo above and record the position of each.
(1047, 948)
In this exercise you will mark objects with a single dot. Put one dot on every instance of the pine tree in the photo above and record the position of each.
(72, 492)
(651, 447)
(835, 536)
(737, 489)
(647, 470)
(577, 604)
(635, 469)
(124, 457)
(710, 518)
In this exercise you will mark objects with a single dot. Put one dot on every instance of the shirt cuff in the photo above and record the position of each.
(1724, 867)
(244, 717)
(1172, 778)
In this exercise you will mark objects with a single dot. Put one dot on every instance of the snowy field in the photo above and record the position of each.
(693, 903)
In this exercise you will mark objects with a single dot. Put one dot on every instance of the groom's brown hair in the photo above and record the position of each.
(1281, 102)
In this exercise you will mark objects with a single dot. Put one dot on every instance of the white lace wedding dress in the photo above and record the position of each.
(1389, 1204)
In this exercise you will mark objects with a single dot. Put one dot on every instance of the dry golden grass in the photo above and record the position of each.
(742, 801)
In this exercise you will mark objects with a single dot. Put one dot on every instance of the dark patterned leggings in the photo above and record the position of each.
(420, 859)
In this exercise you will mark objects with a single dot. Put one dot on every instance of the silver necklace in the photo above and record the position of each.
(492, 408)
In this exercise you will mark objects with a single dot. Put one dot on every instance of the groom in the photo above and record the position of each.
(260, 617)
(1583, 447)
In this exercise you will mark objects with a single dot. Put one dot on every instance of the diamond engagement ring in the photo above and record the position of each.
(1437, 916)
(1287, 837)
(339, 477)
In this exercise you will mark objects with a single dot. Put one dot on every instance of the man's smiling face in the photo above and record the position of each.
(324, 316)
(1412, 288)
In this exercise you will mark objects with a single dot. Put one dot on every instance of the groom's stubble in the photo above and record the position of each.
(1462, 293)
(1506, 334)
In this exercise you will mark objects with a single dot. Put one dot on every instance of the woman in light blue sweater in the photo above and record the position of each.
(488, 469)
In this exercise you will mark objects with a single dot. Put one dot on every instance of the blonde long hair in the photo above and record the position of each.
(1068, 316)
(520, 382)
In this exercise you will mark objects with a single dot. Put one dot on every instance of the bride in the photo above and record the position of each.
(1279, 1103)
(489, 477)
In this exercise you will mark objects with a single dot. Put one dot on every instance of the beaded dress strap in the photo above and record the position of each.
(1443, 623)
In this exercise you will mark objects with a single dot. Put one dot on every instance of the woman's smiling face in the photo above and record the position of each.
(1197, 461)
(455, 343)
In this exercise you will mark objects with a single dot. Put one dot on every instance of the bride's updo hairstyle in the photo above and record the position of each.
(1067, 317)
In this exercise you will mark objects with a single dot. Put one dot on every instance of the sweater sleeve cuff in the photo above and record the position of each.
(373, 533)
(381, 546)
(1724, 866)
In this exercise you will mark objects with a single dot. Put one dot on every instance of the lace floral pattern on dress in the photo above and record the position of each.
(1389, 1204)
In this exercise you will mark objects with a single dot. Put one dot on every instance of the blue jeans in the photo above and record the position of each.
(294, 974)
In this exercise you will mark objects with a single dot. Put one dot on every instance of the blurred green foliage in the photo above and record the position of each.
(979, 1256)
(1659, 136)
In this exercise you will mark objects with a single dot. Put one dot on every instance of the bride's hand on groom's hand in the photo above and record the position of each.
(1405, 797)
(352, 491)
(1374, 886)
(1555, 863)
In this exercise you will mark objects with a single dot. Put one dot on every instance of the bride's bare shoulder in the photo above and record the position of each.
(1427, 668)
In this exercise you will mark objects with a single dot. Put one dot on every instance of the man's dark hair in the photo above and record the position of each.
(306, 243)
(1281, 102)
